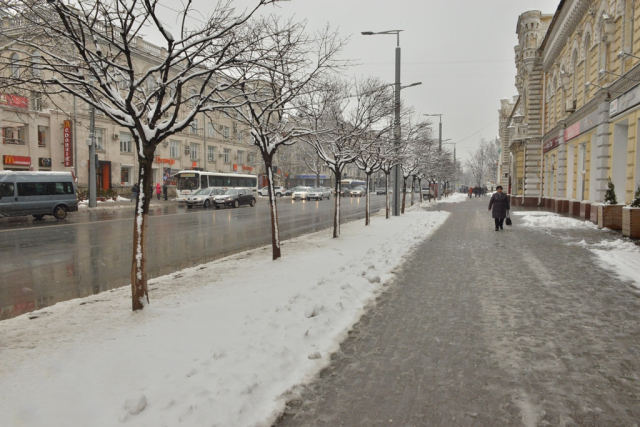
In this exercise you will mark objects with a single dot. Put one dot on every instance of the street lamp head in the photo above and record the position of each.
(367, 33)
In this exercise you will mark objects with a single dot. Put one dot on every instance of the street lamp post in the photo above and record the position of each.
(397, 172)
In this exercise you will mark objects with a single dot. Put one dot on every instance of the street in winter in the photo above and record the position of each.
(274, 213)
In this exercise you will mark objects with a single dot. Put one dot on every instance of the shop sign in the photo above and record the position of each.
(551, 144)
(625, 101)
(166, 161)
(17, 160)
(581, 127)
(235, 167)
(68, 154)
(310, 177)
(14, 101)
(247, 168)
(44, 162)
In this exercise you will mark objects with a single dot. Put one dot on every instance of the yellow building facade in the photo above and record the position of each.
(589, 56)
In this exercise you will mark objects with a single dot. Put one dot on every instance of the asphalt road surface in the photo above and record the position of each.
(45, 262)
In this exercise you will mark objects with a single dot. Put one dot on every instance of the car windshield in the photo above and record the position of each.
(232, 191)
(204, 191)
(358, 189)
(317, 190)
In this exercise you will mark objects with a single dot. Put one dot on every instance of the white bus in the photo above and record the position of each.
(348, 184)
(188, 182)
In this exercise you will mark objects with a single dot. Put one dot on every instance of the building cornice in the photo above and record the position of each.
(563, 25)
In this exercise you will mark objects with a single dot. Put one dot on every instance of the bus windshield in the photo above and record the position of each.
(188, 181)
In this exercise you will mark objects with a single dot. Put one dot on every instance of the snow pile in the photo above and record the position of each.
(454, 198)
(550, 220)
(621, 256)
(222, 344)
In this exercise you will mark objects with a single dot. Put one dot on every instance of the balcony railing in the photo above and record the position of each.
(14, 141)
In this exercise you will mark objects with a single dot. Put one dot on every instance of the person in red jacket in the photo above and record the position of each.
(158, 190)
(470, 191)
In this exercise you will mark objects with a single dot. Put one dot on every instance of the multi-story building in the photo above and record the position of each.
(584, 62)
(51, 134)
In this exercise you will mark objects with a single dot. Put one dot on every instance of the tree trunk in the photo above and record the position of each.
(413, 189)
(273, 208)
(139, 290)
(420, 188)
(317, 179)
(386, 192)
(404, 193)
(336, 214)
(367, 214)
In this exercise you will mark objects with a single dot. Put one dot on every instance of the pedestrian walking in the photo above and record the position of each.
(470, 191)
(164, 190)
(158, 190)
(134, 192)
(499, 207)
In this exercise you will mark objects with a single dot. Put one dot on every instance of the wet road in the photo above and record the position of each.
(45, 262)
(521, 327)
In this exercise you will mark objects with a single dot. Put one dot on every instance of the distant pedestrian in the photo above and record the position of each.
(470, 191)
(499, 207)
(158, 190)
(134, 192)
(164, 190)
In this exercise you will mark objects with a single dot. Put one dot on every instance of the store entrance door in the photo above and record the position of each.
(103, 172)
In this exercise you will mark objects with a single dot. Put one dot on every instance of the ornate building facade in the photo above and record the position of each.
(579, 94)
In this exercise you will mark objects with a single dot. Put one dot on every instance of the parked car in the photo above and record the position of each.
(264, 191)
(289, 191)
(37, 194)
(300, 193)
(203, 197)
(319, 193)
(235, 197)
(357, 192)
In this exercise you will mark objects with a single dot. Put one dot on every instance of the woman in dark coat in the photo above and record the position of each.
(500, 204)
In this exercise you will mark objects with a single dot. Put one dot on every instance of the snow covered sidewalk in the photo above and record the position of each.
(220, 345)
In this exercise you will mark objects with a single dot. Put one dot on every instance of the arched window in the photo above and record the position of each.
(36, 65)
(15, 65)
(603, 64)
(587, 65)
(574, 67)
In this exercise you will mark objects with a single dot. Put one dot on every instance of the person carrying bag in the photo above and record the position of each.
(499, 207)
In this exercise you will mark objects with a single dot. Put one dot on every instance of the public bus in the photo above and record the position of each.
(347, 185)
(190, 181)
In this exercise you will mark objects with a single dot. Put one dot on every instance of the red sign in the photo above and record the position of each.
(572, 131)
(17, 160)
(235, 167)
(551, 144)
(68, 153)
(14, 101)
(247, 168)
(169, 161)
(194, 164)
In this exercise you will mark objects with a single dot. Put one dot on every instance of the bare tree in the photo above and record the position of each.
(89, 50)
(482, 162)
(288, 62)
(340, 114)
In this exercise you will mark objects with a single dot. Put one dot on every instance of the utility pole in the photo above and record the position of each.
(92, 157)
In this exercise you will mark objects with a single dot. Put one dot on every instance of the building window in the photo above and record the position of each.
(211, 130)
(126, 144)
(240, 136)
(193, 151)
(225, 132)
(240, 157)
(174, 149)
(36, 66)
(211, 153)
(193, 98)
(226, 154)
(194, 126)
(99, 136)
(42, 136)
(15, 65)
(126, 173)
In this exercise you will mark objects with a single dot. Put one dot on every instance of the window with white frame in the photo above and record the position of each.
(126, 143)
(36, 101)
(240, 136)
(126, 175)
(99, 138)
(226, 155)
(211, 154)
(194, 126)
(225, 132)
(193, 151)
(15, 65)
(42, 136)
(36, 65)
(174, 148)
(240, 157)
(211, 130)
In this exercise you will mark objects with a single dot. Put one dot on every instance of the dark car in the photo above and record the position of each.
(235, 197)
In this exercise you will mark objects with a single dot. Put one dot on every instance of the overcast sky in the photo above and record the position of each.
(462, 52)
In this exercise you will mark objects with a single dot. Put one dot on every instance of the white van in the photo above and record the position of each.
(37, 194)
